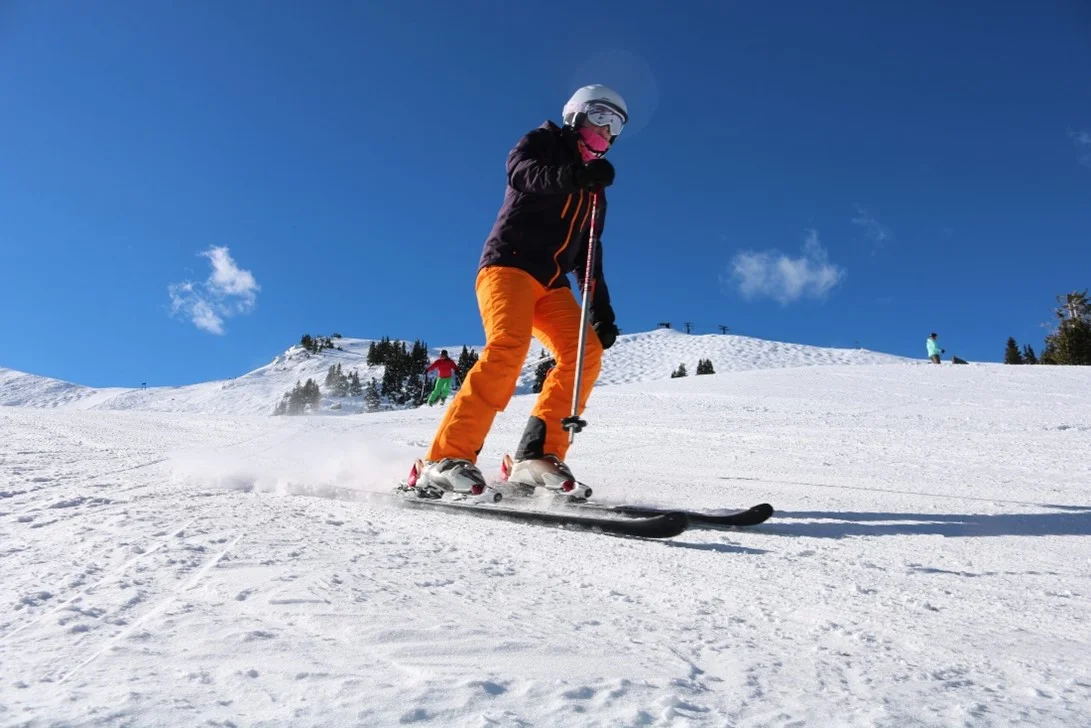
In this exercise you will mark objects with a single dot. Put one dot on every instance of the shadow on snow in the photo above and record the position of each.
(1069, 521)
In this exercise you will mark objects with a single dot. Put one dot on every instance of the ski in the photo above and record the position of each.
(574, 495)
(697, 519)
(662, 524)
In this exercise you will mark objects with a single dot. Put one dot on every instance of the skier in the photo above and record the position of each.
(444, 368)
(541, 234)
(933, 348)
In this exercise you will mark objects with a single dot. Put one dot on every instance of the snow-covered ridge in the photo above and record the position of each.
(255, 392)
(653, 355)
(640, 357)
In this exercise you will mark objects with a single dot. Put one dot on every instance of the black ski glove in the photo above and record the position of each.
(596, 173)
(607, 333)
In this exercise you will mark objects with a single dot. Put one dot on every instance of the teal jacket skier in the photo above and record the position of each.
(444, 368)
(933, 348)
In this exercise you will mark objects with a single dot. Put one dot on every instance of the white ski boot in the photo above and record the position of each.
(548, 472)
(431, 479)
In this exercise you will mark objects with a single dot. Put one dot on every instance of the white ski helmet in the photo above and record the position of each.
(587, 99)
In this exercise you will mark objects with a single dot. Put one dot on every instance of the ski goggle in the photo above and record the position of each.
(601, 114)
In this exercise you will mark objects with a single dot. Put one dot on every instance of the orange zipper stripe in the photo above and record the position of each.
(566, 204)
(567, 240)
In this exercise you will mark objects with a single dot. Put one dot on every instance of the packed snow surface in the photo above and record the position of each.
(929, 563)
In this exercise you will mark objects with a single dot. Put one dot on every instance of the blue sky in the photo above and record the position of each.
(186, 188)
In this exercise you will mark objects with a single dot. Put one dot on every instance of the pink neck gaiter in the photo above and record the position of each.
(594, 146)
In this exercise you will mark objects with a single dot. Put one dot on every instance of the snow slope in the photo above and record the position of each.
(256, 392)
(29, 390)
(930, 563)
(653, 355)
(636, 357)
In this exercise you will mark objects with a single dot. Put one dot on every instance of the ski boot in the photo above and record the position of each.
(431, 479)
(548, 472)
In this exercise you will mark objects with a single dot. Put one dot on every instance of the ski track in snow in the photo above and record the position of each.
(929, 564)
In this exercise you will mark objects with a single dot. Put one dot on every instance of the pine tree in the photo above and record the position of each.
(1071, 342)
(390, 380)
(307, 342)
(1075, 306)
(379, 352)
(355, 388)
(1011, 352)
(417, 389)
(704, 366)
(466, 361)
(282, 406)
(312, 395)
(679, 372)
(403, 366)
(336, 381)
(390, 369)
(545, 366)
(341, 384)
(1028, 355)
(415, 365)
(419, 359)
(295, 400)
(399, 380)
(385, 347)
(371, 395)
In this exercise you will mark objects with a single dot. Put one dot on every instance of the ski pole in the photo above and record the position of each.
(573, 423)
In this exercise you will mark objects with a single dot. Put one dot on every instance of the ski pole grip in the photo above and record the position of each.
(573, 424)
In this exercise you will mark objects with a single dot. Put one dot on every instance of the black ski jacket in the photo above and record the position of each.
(543, 227)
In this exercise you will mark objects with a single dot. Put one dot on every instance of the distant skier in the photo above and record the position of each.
(541, 234)
(933, 348)
(444, 368)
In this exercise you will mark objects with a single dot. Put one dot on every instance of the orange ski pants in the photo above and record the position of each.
(514, 307)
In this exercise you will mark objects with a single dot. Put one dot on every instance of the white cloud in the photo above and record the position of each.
(229, 290)
(1082, 139)
(228, 279)
(875, 230)
(207, 319)
(772, 274)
